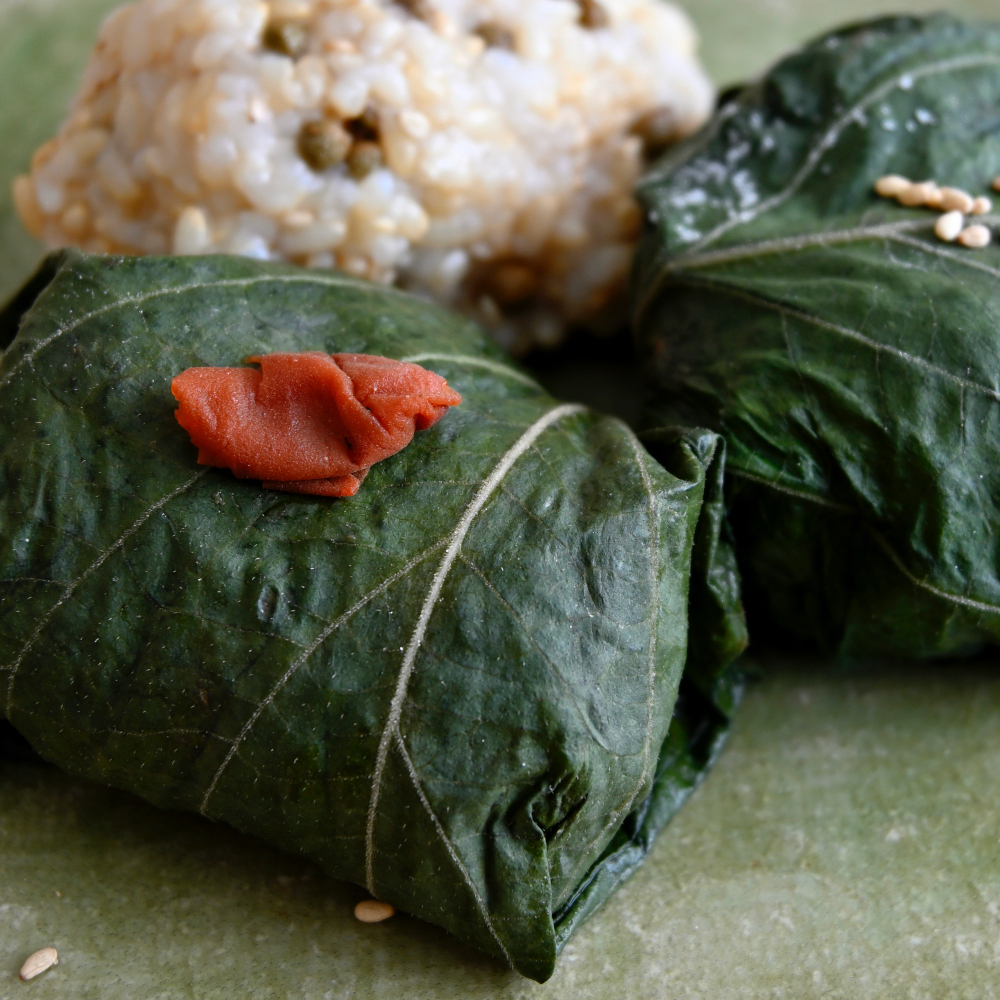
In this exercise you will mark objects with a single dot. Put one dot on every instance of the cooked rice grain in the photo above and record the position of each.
(390, 140)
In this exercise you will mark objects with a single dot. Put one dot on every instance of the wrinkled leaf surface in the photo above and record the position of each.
(454, 688)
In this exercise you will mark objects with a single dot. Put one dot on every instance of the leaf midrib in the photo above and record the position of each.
(717, 285)
(823, 239)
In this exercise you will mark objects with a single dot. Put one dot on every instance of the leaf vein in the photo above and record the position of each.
(790, 491)
(804, 241)
(967, 602)
(91, 569)
(523, 443)
(459, 864)
(855, 335)
(598, 739)
(306, 653)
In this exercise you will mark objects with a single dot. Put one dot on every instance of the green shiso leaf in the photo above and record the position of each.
(849, 357)
(455, 688)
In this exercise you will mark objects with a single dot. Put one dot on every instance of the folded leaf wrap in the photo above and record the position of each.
(848, 356)
(456, 689)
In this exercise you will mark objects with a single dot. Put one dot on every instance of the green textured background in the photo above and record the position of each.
(846, 846)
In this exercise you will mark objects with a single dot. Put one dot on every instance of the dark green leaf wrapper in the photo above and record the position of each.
(456, 687)
(849, 357)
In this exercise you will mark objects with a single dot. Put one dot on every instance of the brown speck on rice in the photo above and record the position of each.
(288, 37)
(423, 9)
(365, 126)
(658, 129)
(481, 131)
(593, 15)
(510, 283)
(496, 36)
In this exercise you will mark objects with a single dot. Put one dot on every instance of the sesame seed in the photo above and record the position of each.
(949, 226)
(36, 964)
(996, 184)
(892, 185)
(981, 205)
(415, 124)
(956, 200)
(924, 193)
(76, 218)
(298, 219)
(373, 911)
(496, 36)
(443, 25)
(342, 45)
(974, 237)
(191, 232)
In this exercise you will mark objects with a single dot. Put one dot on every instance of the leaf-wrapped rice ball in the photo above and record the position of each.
(845, 351)
(458, 687)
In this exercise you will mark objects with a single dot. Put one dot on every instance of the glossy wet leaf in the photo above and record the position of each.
(455, 688)
(847, 355)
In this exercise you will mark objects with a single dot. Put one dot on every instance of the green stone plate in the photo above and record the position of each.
(846, 846)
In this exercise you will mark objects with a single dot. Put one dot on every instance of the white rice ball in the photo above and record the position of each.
(479, 151)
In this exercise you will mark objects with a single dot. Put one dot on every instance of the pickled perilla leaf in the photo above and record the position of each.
(850, 358)
(456, 688)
